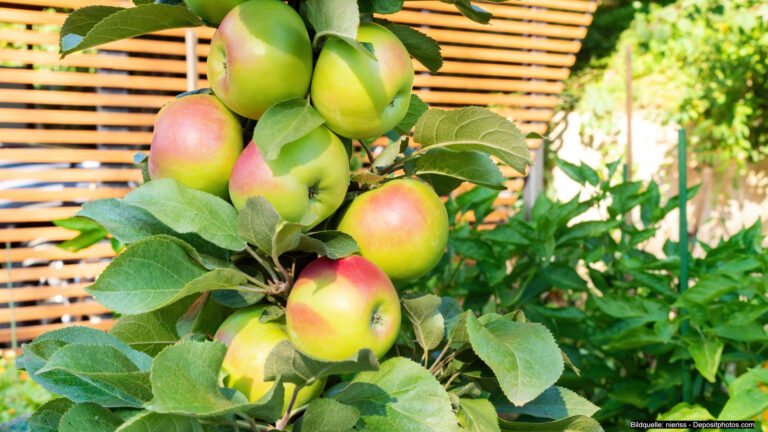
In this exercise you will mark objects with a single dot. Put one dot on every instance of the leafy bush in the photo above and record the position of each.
(18, 394)
(642, 346)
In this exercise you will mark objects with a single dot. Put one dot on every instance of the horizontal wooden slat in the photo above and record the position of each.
(76, 117)
(63, 136)
(64, 272)
(440, 97)
(31, 293)
(51, 252)
(36, 214)
(75, 98)
(54, 311)
(66, 194)
(491, 84)
(500, 70)
(509, 10)
(502, 40)
(49, 233)
(575, 5)
(495, 25)
(31, 332)
(66, 155)
(84, 79)
(73, 175)
(506, 55)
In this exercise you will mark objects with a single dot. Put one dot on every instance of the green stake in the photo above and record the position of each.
(683, 235)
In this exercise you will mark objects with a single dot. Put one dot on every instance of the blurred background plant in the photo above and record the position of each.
(18, 393)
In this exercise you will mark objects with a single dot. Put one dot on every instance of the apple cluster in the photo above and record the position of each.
(261, 55)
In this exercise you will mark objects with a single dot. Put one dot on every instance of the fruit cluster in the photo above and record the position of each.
(261, 55)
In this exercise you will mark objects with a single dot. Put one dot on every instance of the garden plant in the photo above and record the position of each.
(256, 284)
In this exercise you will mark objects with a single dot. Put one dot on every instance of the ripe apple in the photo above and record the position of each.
(212, 11)
(260, 55)
(249, 342)
(306, 183)
(402, 227)
(360, 97)
(196, 141)
(338, 307)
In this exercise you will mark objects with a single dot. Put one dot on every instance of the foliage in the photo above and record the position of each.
(18, 393)
(696, 63)
(641, 345)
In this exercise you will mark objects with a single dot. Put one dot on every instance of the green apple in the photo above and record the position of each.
(402, 227)
(196, 141)
(249, 342)
(212, 11)
(338, 307)
(360, 97)
(306, 183)
(260, 55)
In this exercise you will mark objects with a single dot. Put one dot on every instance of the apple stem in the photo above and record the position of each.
(283, 422)
(450, 380)
(367, 151)
(440, 356)
(263, 263)
(286, 275)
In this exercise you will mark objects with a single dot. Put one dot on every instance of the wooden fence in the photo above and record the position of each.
(69, 128)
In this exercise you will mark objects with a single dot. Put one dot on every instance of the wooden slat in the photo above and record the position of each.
(64, 272)
(499, 70)
(574, 5)
(67, 117)
(502, 40)
(64, 136)
(491, 84)
(75, 98)
(66, 155)
(509, 10)
(31, 332)
(49, 233)
(506, 55)
(66, 194)
(36, 214)
(31, 293)
(84, 79)
(73, 175)
(440, 97)
(51, 252)
(495, 25)
(54, 311)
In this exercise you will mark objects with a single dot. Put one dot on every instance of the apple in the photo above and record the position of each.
(338, 307)
(249, 342)
(360, 97)
(260, 55)
(196, 141)
(212, 11)
(402, 227)
(306, 183)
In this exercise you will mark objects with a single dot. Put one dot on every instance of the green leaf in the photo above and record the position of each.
(443, 185)
(271, 313)
(188, 210)
(420, 46)
(257, 223)
(706, 356)
(423, 310)
(236, 299)
(298, 368)
(470, 11)
(708, 288)
(338, 18)
(150, 332)
(367, 178)
(555, 403)
(387, 156)
(570, 424)
(684, 411)
(478, 415)
(333, 244)
(380, 6)
(416, 108)
(474, 129)
(90, 233)
(524, 356)
(185, 381)
(747, 396)
(96, 25)
(48, 417)
(466, 166)
(563, 276)
(150, 274)
(571, 171)
(149, 421)
(327, 415)
(89, 417)
(287, 237)
(400, 396)
(284, 123)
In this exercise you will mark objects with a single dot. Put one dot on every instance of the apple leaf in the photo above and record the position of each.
(96, 25)
(150, 332)
(338, 18)
(474, 129)
(150, 421)
(90, 233)
(236, 299)
(327, 415)
(283, 123)
(416, 108)
(89, 417)
(286, 238)
(422, 47)
(706, 356)
(380, 6)
(478, 415)
(423, 310)
(471, 11)
(570, 424)
(257, 223)
(298, 368)
(333, 244)
(185, 381)
(400, 396)
(387, 156)
(555, 403)
(367, 178)
(186, 210)
(524, 356)
(465, 166)
(48, 417)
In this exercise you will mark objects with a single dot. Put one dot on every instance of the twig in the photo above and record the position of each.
(367, 151)
(440, 356)
(450, 380)
(283, 422)
(263, 263)
(446, 360)
(286, 275)
(256, 282)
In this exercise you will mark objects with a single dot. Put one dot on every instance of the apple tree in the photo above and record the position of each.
(255, 285)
